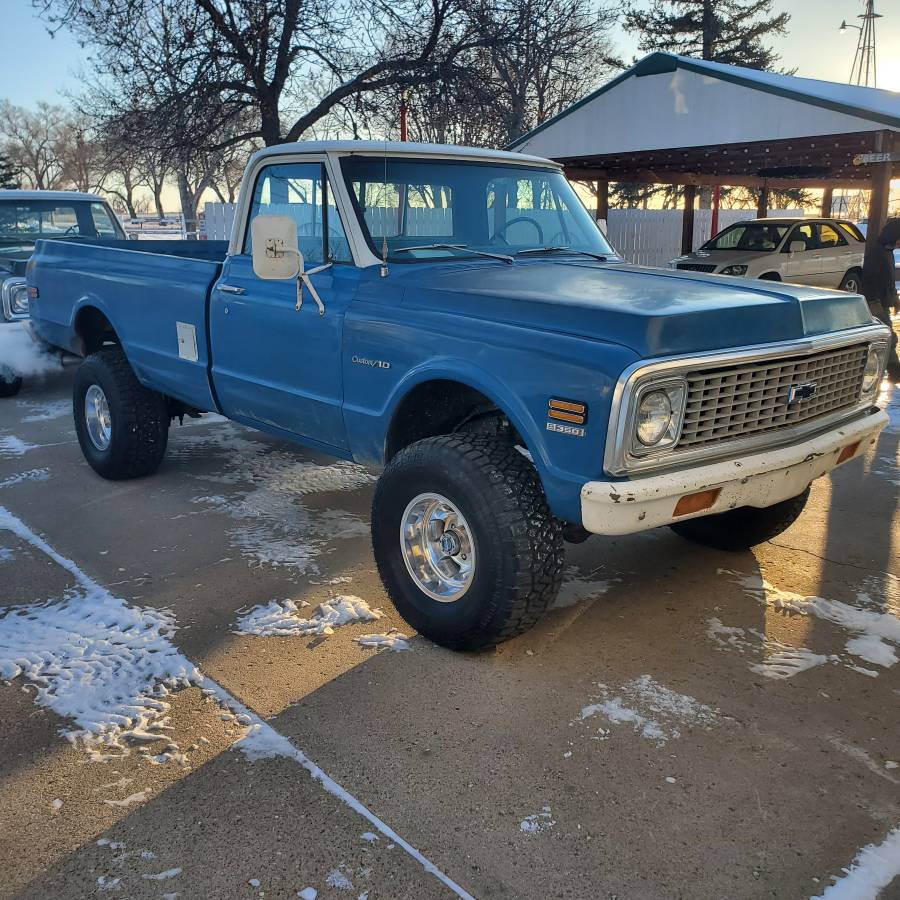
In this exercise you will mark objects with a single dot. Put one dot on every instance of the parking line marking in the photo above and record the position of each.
(262, 741)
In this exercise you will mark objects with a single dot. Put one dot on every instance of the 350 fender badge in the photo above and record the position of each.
(371, 363)
(571, 430)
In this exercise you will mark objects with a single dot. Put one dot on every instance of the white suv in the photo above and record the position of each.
(821, 252)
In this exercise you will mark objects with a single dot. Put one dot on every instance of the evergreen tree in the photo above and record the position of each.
(9, 174)
(723, 31)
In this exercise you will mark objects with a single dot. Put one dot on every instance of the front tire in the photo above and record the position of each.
(852, 282)
(122, 426)
(465, 543)
(10, 383)
(744, 528)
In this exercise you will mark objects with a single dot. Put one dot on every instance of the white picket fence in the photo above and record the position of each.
(646, 237)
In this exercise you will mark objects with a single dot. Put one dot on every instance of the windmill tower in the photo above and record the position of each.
(864, 71)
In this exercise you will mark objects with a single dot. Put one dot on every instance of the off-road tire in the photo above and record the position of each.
(139, 417)
(10, 384)
(518, 542)
(741, 529)
(854, 275)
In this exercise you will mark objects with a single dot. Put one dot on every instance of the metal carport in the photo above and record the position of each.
(678, 120)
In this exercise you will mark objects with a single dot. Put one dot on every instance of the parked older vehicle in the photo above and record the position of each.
(26, 217)
(454, 317)
(820, 252)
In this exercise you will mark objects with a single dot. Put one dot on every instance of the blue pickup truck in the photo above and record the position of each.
(454, 318)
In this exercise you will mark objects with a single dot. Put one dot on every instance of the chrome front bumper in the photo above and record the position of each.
(759, 479)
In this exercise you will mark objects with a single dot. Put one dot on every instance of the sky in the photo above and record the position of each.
(37, 67)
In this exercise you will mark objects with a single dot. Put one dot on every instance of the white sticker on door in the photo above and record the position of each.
(187, 341)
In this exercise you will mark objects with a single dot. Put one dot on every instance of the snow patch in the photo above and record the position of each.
(44, 411)
(395, 641)
(876, 633)
(889, 401)
(11, 446)
(337, 878)
(872, 870)
(282, 617)
(94, 659)
(164, 876)
(538, 822)
(24, 355)
(652, 710)
(21, 477)
(308, 893)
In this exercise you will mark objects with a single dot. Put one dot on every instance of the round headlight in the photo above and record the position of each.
(872, 372)
(654, 415)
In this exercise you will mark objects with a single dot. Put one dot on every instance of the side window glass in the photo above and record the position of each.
(102, 222)
(804, 234)
(301, 191)
(829, 238)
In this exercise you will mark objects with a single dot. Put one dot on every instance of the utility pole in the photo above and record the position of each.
(865, 71)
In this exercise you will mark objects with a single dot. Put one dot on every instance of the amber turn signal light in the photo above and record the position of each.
(848, 452)
(694, 503)
(568, 411)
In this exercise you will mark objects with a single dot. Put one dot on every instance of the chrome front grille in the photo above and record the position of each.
(735, 401)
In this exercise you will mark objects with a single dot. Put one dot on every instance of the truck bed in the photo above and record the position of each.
(153, 293)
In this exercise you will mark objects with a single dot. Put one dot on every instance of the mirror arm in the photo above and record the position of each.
(303, 278)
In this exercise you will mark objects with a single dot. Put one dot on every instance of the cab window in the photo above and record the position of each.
(805, 234)
(301, 191)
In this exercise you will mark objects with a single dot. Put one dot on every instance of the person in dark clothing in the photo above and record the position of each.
(880, 289)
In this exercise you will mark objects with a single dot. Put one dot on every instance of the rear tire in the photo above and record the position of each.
(10, 383)
(128, 438)
(852, 282)
(741, 529)
(515, 542)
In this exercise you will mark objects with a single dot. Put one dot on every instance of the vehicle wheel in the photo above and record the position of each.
(852, 282)
(122, 426)
(465, 543)
(741, 529)
(770, 276)
(10, 383)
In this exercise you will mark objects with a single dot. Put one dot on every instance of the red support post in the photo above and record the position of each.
(714, 223)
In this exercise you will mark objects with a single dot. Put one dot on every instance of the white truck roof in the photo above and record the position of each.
(48, 195)
(403, 148)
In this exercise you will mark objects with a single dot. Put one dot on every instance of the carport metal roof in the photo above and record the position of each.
(677, 120)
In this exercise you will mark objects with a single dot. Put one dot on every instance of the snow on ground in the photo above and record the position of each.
(23, 355)
(872, 870)
(393, 641)
(43, 411)
(889, 401)
(542, 821)
(282, 617)
(96, 660)
(652, 710)
(874, 628)
(11, 446)
(30, 475)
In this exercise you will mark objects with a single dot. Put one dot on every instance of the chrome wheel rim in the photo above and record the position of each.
(97, 418)
(438, 547)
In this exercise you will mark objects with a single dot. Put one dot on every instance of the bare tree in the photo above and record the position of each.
(196, 67)
(36, 142)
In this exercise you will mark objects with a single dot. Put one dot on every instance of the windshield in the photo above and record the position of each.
(27, 221)
(750, 236)
(446, 209)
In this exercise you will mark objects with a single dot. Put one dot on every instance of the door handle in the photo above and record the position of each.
(231, 289)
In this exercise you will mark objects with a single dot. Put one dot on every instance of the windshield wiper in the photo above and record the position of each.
(463, 247)
(598, 256)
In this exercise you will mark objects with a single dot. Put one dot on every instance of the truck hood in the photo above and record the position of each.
(655, 312)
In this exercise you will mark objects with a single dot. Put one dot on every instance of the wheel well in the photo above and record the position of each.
(444, 407)
(94, 329)
(770, 276)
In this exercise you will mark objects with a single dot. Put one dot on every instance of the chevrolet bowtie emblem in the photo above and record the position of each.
(797, 393)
